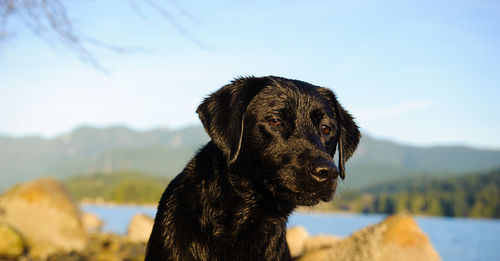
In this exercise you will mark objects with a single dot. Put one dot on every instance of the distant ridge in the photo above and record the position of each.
(376, 161)
(160, 152)
(165, 152)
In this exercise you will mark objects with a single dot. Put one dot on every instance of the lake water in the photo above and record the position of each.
(453, 238)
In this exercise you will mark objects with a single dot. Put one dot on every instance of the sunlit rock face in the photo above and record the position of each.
(11, 243)
(45, 215)
(398, 237)
(140, 228)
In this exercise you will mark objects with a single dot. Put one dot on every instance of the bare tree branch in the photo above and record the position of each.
(49, 20)
(177, 25)
(136, 8)
(184, 12)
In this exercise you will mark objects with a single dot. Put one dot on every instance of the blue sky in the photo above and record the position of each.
(418, 72)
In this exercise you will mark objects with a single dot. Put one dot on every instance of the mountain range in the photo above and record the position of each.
(165, 152)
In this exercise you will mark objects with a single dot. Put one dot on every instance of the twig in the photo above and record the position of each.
(49, 20)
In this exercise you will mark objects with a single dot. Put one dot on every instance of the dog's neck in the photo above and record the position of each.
(231, 217)
(241, 179)
(253, 201)
(252, 215)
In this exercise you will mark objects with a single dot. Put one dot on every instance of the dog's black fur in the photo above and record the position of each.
(272, 148)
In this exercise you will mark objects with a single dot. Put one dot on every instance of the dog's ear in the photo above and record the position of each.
(223, 112)
(348, 132)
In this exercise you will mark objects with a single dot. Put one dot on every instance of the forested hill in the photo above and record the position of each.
(472, 195)
(86, 150)
(129, 187)
(165, 152)
(377, 161)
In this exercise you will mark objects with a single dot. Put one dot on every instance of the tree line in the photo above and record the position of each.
(473, 195)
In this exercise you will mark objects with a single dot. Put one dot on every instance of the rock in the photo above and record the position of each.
(404, 237)
(11, 243)
(396, 238)
(295, 237)
(110, 247)
(320, 242)
(140, 228)
(91, 222)
(45, 215)
(105, 247)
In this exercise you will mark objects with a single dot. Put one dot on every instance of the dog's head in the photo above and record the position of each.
(283, 134)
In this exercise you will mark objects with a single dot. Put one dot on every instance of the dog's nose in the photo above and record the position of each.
(324, 170)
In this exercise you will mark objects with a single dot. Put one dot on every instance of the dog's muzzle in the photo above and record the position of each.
(324, 171)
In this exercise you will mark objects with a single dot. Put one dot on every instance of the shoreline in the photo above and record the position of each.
(300, 209)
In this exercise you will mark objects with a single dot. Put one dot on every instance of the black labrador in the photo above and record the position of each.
(271, 149)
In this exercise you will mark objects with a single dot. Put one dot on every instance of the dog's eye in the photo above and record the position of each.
(326, 129)
(274, 122)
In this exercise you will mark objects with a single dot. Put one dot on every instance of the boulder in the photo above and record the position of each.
(91, 222)
(295, 237)
(140, 228)
(45, 215)
(319, 242)
(396, 238)
(11, 243)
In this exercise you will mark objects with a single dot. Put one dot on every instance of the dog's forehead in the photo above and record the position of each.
(290, 94)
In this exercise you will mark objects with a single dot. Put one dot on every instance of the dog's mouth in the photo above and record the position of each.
(330, 192)
(327, 197)
(304, 192)
(311, 199)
